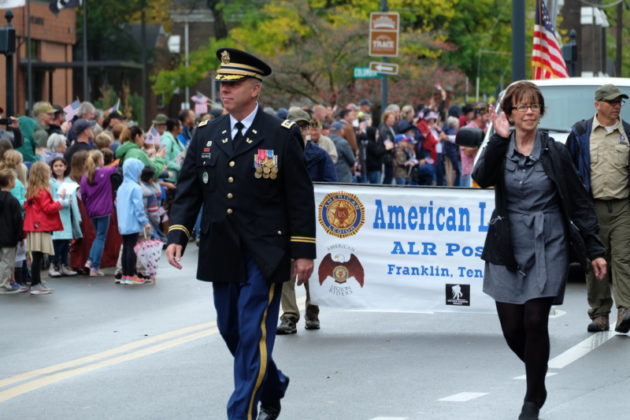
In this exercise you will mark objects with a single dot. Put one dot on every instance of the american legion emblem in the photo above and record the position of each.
(341, 271)
(341, 214)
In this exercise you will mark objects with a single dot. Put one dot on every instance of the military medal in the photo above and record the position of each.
(205, 177)
(265, 164)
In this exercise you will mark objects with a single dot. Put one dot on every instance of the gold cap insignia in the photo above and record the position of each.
(225, 57)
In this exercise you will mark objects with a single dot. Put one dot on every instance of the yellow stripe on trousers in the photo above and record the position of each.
(262, 349)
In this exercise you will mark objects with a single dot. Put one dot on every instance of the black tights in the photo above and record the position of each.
(129, 255)
(525, 330)
(36, 267)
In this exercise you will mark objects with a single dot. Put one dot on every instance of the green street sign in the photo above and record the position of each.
(365, 73)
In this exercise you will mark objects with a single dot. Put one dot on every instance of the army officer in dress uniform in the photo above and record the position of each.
(247, 169)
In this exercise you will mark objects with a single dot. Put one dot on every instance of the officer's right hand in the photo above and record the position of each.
(174, 255)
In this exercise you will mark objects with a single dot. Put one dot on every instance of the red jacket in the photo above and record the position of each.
(42, 213)
(429, 140)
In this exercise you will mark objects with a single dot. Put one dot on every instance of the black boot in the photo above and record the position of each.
(529, 411)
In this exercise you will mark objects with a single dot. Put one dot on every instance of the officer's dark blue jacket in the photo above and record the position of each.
(270, 219)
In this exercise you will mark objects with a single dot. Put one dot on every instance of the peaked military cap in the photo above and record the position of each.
(237, 65)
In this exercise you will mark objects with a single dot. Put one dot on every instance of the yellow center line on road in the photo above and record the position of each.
(47, 380)
(93, 362)
(98, 356)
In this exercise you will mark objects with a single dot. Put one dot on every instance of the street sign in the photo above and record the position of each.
(384, 31)
(384, 68)
(365, 73)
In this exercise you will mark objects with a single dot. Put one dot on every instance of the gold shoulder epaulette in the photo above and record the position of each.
(287, 123)
(202, 123)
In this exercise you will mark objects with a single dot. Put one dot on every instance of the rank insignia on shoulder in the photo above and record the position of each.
(287, 123)
(202, 123)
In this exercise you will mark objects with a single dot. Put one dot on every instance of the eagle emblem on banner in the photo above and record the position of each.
(341, 271)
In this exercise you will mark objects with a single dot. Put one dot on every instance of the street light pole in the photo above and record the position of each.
(8, 49)
(384, 86)
(518, 39)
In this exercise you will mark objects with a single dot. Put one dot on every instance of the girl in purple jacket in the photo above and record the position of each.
(96, 193)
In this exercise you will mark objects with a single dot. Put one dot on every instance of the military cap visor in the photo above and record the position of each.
(237, 65)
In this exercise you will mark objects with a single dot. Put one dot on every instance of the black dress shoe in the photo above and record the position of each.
(269, 411)
(529, 411)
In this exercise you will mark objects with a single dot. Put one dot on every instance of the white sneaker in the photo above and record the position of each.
(40, 289)
(53, 271)
(67, 271)
(96, 273)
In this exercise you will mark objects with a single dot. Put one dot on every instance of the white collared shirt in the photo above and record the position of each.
(247, 122)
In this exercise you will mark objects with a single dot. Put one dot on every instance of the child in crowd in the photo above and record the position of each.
(41, 218)
(13, 160)
(10, 235)
(70, 218)
(402, 159)
(96, 193)
(150, 193)
(131, 218)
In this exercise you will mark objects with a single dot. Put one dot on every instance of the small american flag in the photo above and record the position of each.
(114, 108)
(547, 60)
(71, 110)
(152, 136)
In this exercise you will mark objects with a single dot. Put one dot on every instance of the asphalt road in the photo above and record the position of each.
(95, 350)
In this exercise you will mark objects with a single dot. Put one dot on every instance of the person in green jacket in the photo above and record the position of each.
(132, 147)
(28, 148)
(174, 148)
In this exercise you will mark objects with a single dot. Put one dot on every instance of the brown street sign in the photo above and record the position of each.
(384, 30)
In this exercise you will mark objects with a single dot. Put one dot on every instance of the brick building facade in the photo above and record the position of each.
(52, 41)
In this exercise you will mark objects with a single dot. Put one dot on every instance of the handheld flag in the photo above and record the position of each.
(57, 6)
(115, 107)
(10, 4)
(152, 136)
(201, 103)
(547, 60)
(71, 110)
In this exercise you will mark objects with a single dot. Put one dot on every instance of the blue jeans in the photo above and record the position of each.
(96, 251)
(401, 181)
(374, 177)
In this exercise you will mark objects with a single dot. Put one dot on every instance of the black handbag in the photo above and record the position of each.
(577, 246)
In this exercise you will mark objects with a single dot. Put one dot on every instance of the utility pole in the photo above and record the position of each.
(618, 33)
(384, 87)
(86, 92)
(518, 39)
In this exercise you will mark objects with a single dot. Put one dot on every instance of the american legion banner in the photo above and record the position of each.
(401, 248)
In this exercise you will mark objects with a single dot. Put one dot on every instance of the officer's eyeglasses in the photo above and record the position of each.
(616, 102)
(523, 108)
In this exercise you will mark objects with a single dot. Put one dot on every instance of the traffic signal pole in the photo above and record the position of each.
(384, 86)
(518, 39)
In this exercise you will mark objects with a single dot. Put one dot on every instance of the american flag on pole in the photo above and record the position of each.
(152, 136)
(547, 60)
(71, 110)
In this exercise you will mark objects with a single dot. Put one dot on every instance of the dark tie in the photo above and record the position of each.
(239, 135)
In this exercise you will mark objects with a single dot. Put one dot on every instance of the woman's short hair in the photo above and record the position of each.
(520, 91)
(386, 115)
(54, 140)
